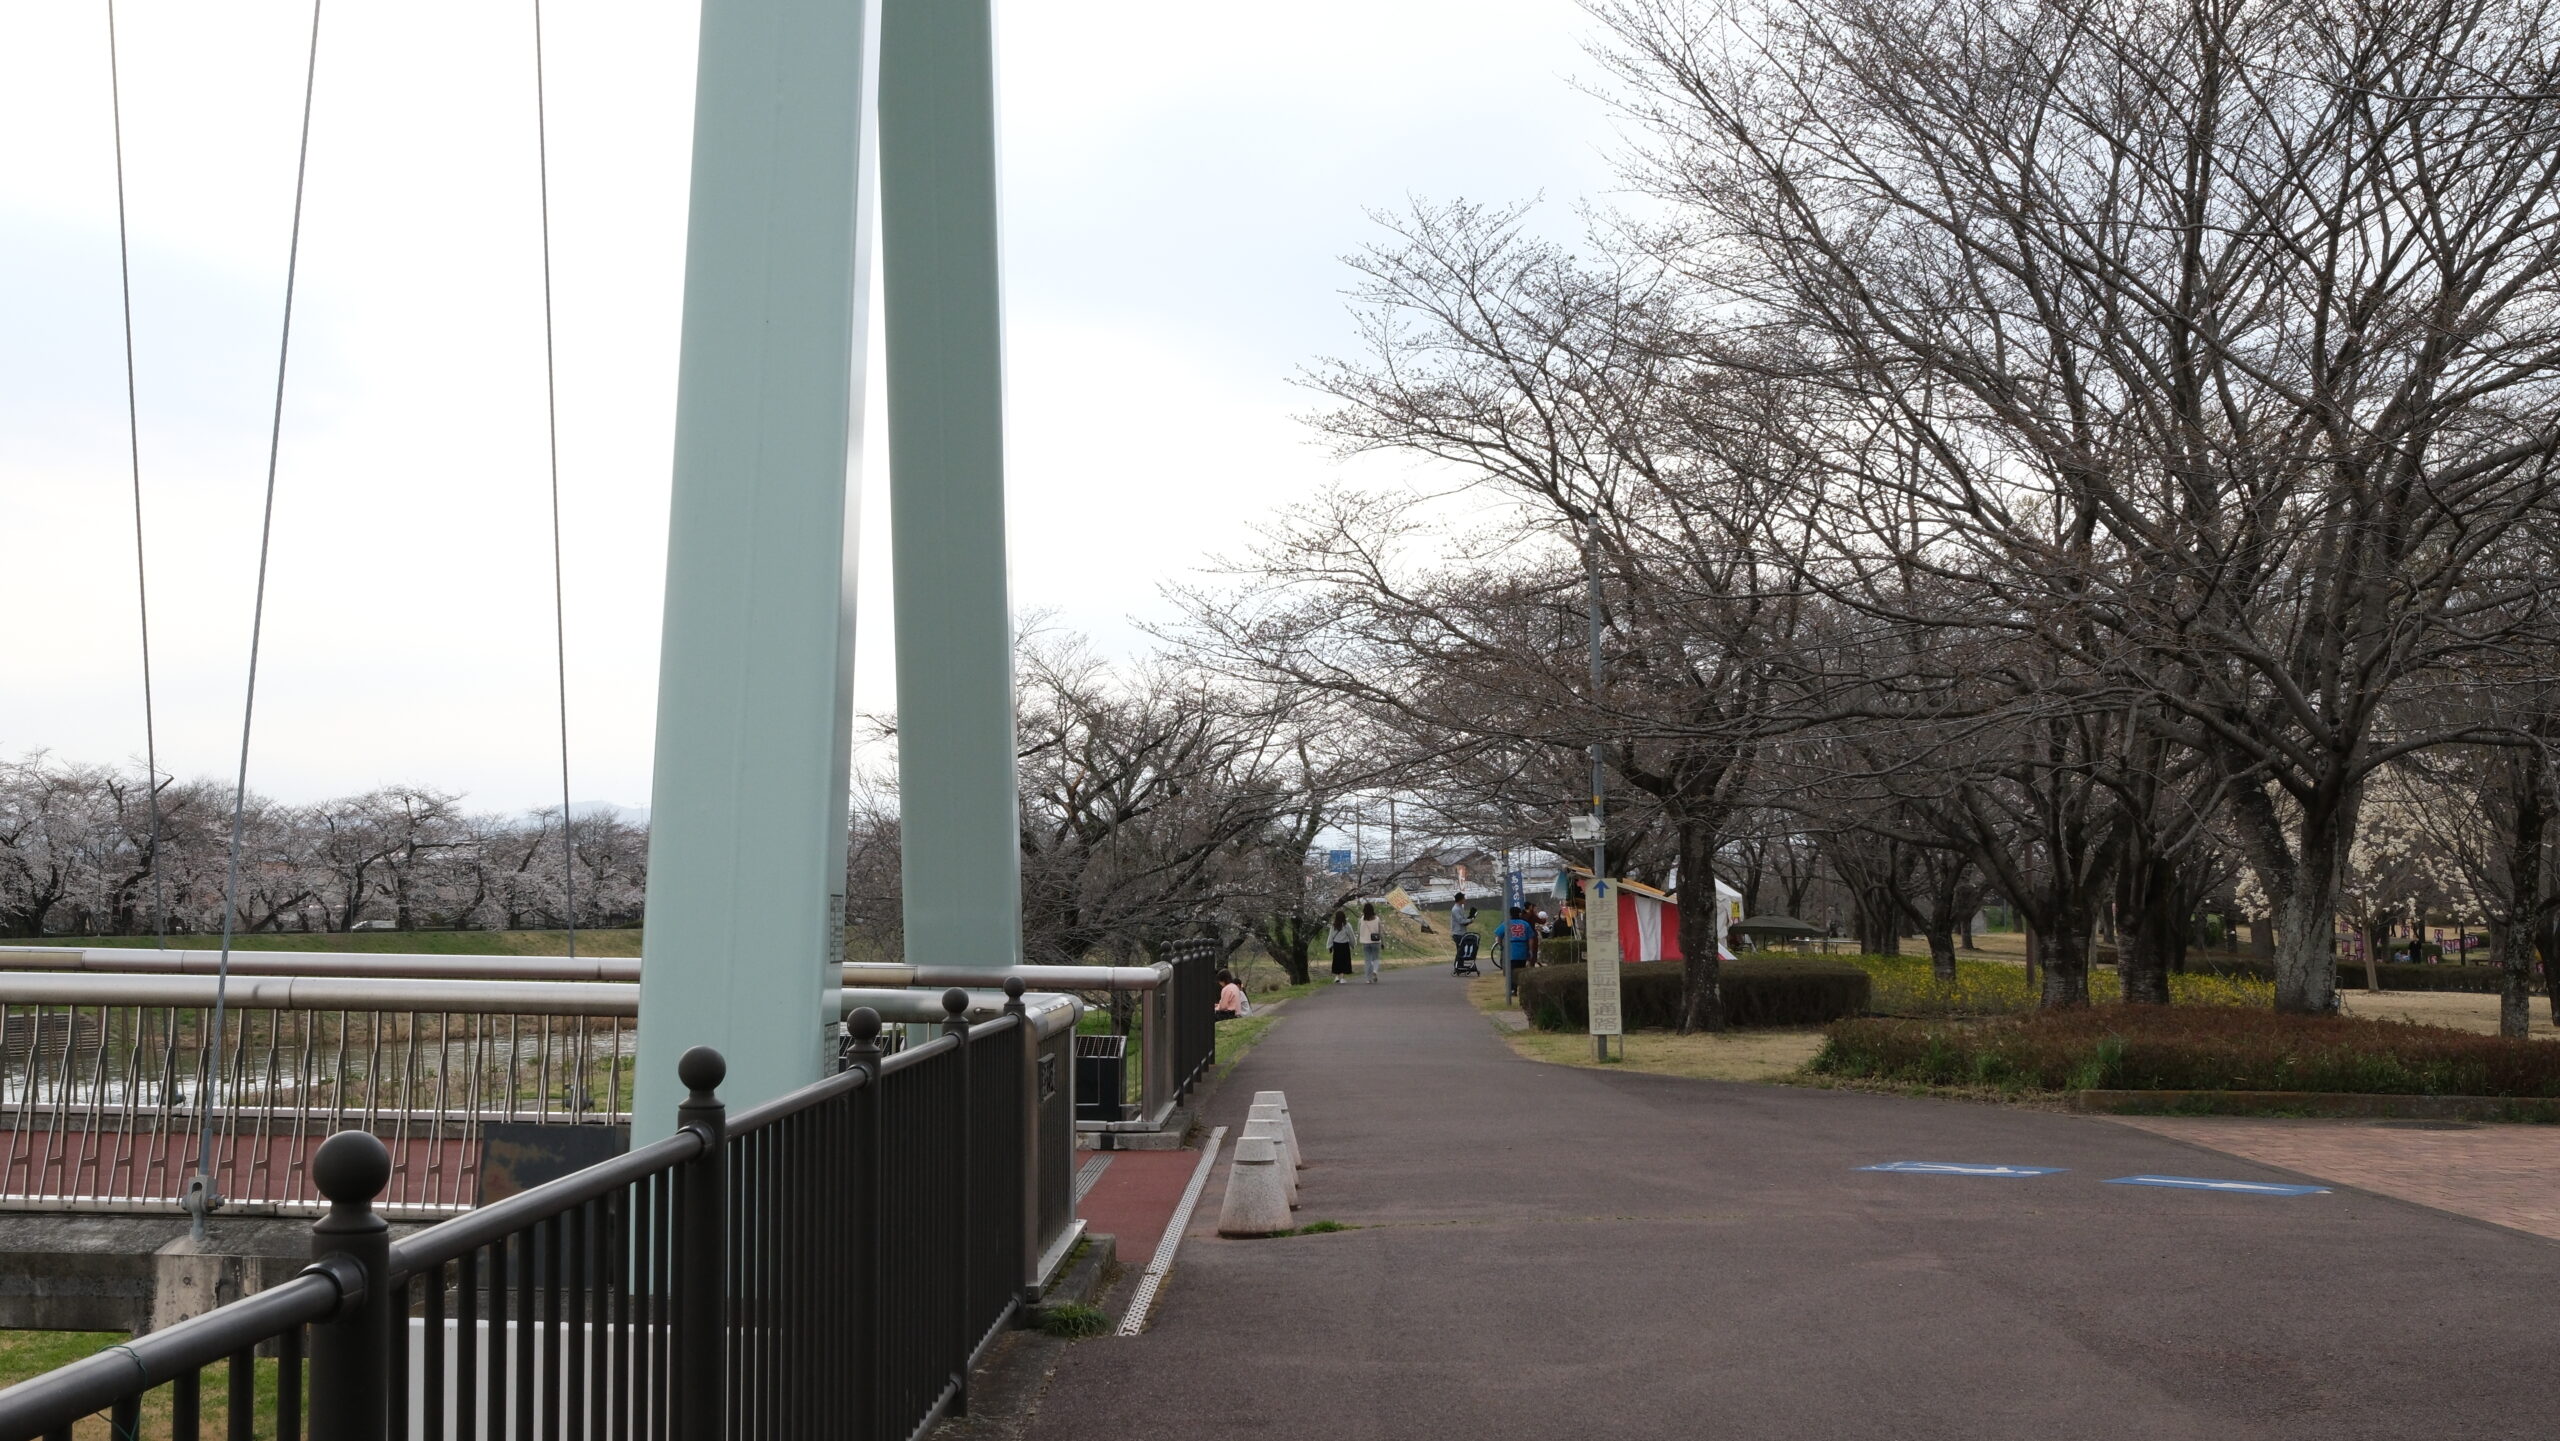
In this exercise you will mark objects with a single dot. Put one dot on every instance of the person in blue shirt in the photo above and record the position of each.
(1519, 940)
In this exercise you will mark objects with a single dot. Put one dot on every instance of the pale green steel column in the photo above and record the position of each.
(755, 678)
(943, 302)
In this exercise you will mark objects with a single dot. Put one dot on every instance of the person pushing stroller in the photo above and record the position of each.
(1462, 923)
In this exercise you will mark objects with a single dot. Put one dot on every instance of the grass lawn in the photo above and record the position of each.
(613, 943)
(1756, 1055)
(25, 1354)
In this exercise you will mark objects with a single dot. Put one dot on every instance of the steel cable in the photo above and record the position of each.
(257, 623)
(551, 421)
(133, 445)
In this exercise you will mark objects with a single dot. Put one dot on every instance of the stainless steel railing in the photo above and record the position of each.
(105, 1079)
(106, 1083)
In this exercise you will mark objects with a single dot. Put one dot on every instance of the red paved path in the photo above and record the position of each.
(1135, 1198)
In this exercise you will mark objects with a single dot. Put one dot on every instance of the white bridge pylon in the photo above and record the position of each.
(755, 681)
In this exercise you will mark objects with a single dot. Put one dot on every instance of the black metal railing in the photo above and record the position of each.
(1192, 999)
(829, 1263)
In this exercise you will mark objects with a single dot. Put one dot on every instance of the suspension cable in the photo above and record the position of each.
(201, 1197)
(133, 446)
(551, 420)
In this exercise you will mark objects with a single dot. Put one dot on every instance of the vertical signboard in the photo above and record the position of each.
(1600, 948)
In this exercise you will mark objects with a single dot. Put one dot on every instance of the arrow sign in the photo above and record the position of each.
(1957, 1168)
(2199, 1183)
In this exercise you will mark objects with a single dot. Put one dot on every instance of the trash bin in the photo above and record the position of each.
(1101, 1079)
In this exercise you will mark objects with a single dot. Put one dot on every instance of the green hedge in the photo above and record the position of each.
(2192, 1048)
(2395, 976)
(1758, 991)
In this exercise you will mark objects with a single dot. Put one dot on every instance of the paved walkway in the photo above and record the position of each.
(1551, 1252)
(2505, 1175)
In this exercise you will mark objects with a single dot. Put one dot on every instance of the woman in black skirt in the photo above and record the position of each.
(1341, 939)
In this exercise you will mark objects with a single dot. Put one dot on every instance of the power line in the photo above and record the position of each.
(201, 1198)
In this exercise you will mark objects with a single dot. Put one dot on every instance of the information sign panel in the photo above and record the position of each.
(1600, 948)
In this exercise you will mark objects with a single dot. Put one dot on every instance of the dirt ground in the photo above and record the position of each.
(2453, 1010)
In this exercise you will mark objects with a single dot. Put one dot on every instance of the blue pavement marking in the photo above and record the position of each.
(1956, 1168)
(2199, 1183)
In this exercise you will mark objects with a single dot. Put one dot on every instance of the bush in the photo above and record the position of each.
(1908, 986)
(1760, 991)
(2216, 1048)
(1563, 951)
(2395, 976)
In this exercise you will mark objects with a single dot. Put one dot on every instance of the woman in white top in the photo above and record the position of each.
(1373, 938)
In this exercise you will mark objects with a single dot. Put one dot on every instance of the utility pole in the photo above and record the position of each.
(1600, 908)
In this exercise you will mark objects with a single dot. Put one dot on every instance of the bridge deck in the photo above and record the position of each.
(1549, 1252)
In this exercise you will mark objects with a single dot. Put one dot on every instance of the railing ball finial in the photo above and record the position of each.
(702, 1069)
(1013, 988)
(351, 1168)
(955, 1003)
(863, 1025)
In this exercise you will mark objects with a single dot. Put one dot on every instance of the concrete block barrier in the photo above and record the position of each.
(1297, 1155)
(1278, 1120)
(1270, 1131)
(1257, 1201)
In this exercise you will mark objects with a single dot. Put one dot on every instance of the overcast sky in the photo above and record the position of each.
(1181, 180)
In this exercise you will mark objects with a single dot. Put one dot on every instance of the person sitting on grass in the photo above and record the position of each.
(1231, 1000)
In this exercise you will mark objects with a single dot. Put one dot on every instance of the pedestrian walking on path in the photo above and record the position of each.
(1519, 942)
(1340, 940)
(1373, 938)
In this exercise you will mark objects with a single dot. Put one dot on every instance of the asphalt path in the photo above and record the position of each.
(1547, 1252)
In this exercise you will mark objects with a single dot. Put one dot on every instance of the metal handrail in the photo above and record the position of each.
(127, 960)
(437, 1244)
(130, 960)
(750, 1256)
(93, 1383)
(326, 993)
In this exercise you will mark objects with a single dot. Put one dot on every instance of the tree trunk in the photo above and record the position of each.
(2027, 933)
(2306, 949)
(2377, 940)
(1942, 954)
(2148, 927)
(2512, 943)
(2063, 956)
(2547, 937)
(2514, 951)
(1879, 921)
(1701, 970)
(1286, 939)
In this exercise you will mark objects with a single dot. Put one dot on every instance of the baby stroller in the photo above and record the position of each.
(1465, 965)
